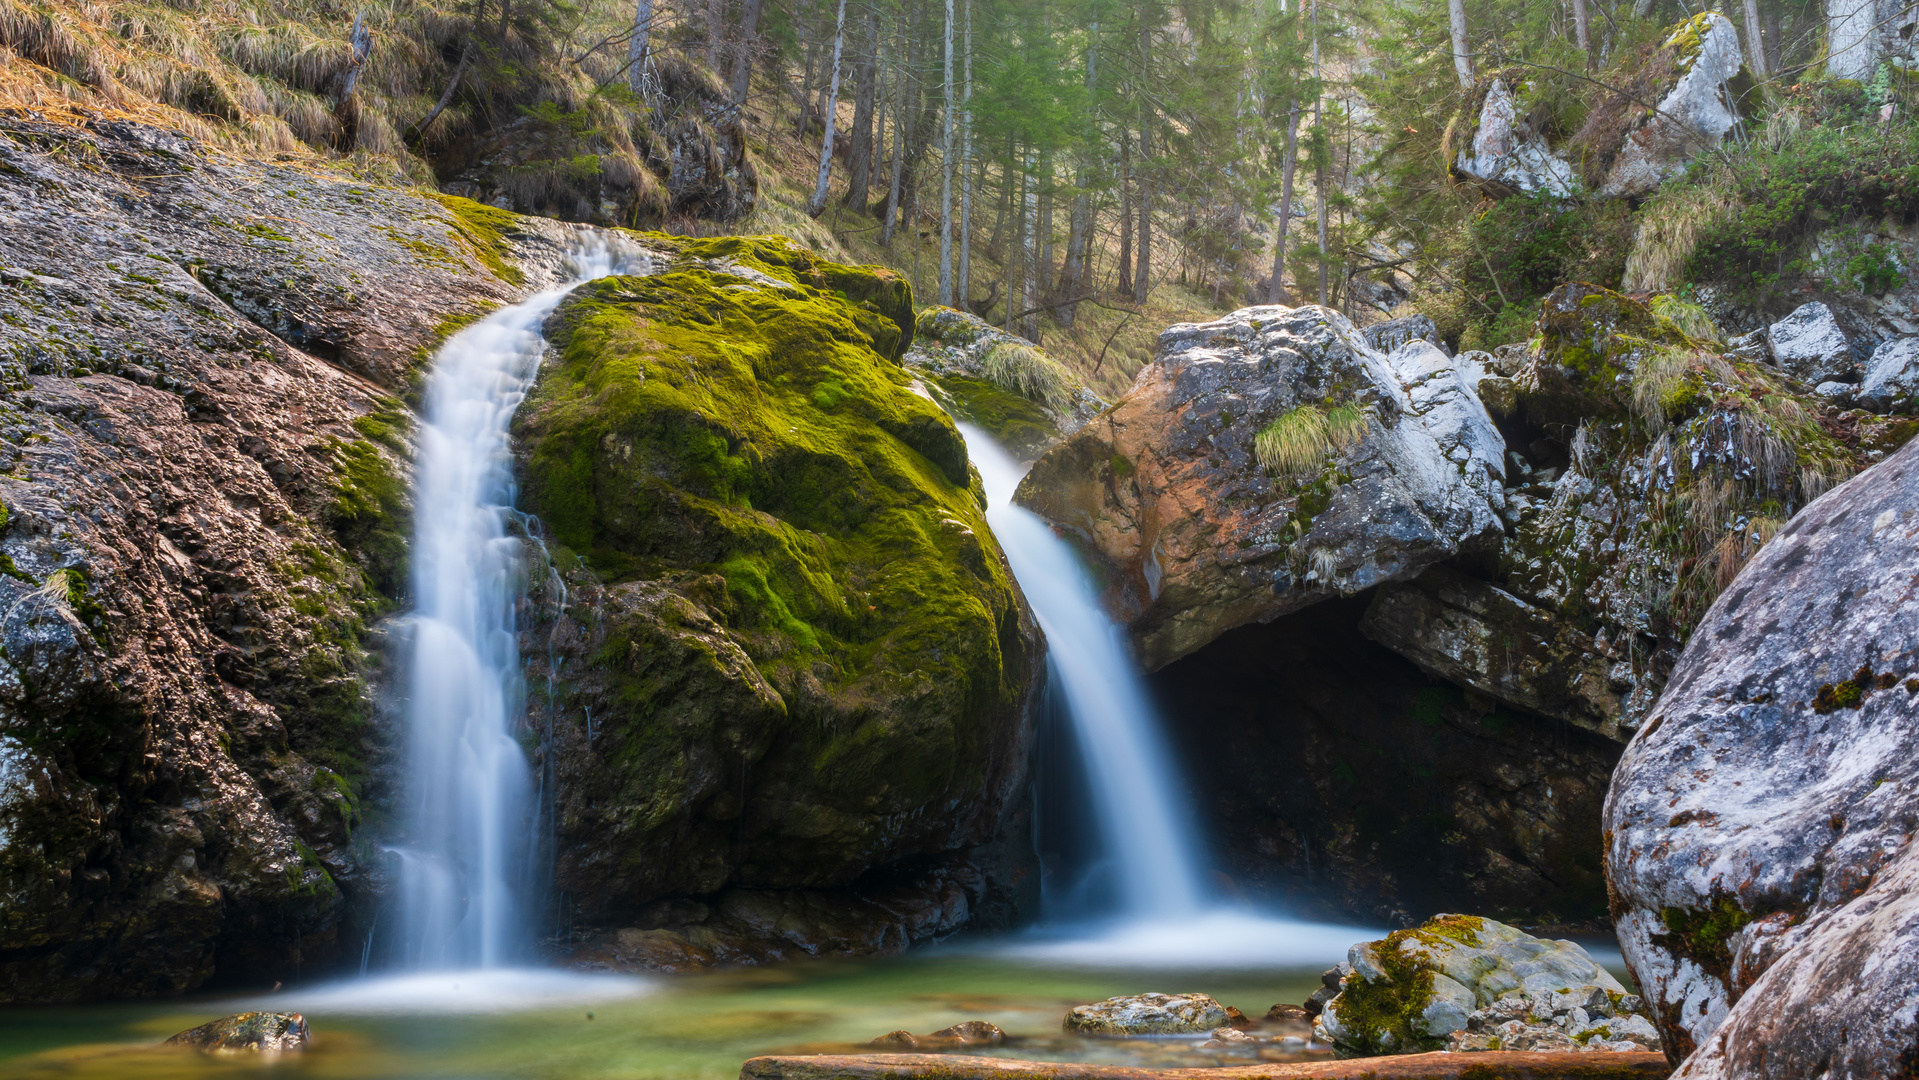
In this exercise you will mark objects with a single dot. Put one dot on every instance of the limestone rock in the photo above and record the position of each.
(1411, 991)
(1693, 117)
(1167, 493)
(247, 1032)
(1760, 827)
(1809, 345)
(1005, 384)
(791, 654)
(1507, 152)
(1482, 637)
(1148, 1014)
(1892, 377)
(1391, 334)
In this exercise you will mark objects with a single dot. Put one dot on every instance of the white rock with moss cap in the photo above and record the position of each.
(1410, 992)
(1148, 1014)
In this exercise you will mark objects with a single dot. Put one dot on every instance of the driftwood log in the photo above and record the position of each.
(1491, 1065)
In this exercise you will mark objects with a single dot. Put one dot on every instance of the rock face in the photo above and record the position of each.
(1695, 114)
(248, 1032)
(205, 517)
(1005, 384)
(1396, 466)
(1411, 991)
(1148, 1014)
(787, 660)
(1760, 827)
(1507, 153)
(1811, 347)
(1891, 383)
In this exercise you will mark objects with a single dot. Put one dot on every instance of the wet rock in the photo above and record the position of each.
(1509, 154)
(1223, 1037)
(1692, 118)
(896, 1040)
(1004, 383)
(205, 524)
(1809, 345)
(1395, 466)
(1891, 383)
(1486, 639)
(972, 1033)
(850, 689)
(1409, 992)
(1760, 828)
(247, 1032)
(1289, 1014)
(660, 950)
(1148, 1014)
(1237, 1019)
(1391, 334)
(1587, 1018)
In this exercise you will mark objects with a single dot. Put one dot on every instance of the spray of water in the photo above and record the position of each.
(468, 795)
(1146, 829)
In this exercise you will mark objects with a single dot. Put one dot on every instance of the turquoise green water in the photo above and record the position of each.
(696, 1027)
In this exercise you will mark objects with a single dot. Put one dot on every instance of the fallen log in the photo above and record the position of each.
(1488, 1065)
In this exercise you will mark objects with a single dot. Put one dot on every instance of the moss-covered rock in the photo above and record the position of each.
(1009, 387)
(813, 660)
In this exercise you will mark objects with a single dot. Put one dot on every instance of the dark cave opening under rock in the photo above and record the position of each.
(1336, 779)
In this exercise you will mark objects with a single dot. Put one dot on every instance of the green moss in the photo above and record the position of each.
(483, 229)
(695, 421)
(1704, 936)
(1380, 1013)
(1014, 421)
(367, 511)
(1849, 694)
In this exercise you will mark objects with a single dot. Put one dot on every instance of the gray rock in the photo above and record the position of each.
(1892, 377)
(1507, 152)
(247, 1033)
(1167, 489)
(1760, 826)
(1692, 118)
(1837, 393)
(1148, 1014)
(1482, 637)
(1391, 334)
(1809, 345)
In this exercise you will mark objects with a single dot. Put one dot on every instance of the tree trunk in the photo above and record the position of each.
(749, 47)
(1143, 254)
(715, 32)
(859, 156)
(898, 164)
(965, 283)
(817, 203)
(1275, 291)
(1125, 213)
(1072, 273)
(1462, 61)
(1852, 39)
(1029, 280)
(1755, 42)
(946, 170)
(1320, 147)
(636, 48)
(1581, 30)
(1010, 272)
(1045, 228)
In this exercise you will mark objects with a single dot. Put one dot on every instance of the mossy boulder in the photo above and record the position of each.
(793, 652)
(1408, 992)
(1008, 386)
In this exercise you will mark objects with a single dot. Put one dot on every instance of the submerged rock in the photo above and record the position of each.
(1411, 991)
(786, 653)
(1760, 828)
(1148, 1014)
(247, 1032)
(1374, 468)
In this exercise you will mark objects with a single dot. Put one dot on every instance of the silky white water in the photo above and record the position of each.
(1146, 827)
(464, 864)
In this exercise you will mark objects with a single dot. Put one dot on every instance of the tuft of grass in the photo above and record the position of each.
(1030, 373)
(1685, 317)
(1299, 440)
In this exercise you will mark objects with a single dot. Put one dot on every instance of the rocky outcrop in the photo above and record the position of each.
(1005, 384)
(1809, 345)
(203, 366)
(1509, 154)
(1891, 382)
(1692, 118)
(783, 650)
(248, 1033)
(1416, 988)
(1760, 828)
(1267, 461)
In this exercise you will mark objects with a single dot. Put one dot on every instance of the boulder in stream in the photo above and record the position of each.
(1148, 1014)
(247, 1032)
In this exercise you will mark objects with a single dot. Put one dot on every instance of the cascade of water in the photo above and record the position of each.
(468, 778)
(1146, 827)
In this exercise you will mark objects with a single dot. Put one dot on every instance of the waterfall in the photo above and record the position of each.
(1146, 828)
(468, 780)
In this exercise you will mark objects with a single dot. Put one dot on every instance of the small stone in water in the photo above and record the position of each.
(1227, 1036)
(255, 1032)
(972, 1033)
(896, 1040)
